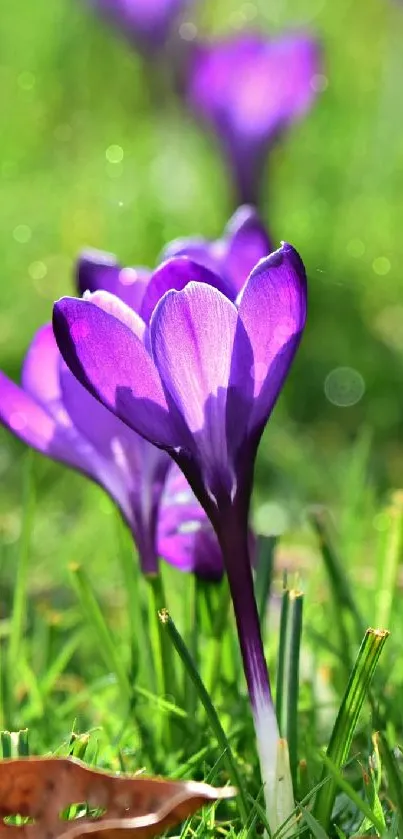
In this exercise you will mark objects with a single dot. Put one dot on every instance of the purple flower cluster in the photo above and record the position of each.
(158, 385)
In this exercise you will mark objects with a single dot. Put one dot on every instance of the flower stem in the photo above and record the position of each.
(233, 537)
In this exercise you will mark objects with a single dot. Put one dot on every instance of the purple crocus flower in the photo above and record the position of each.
(147, 22)
(249, 89)
(55, 414)
(199, 377)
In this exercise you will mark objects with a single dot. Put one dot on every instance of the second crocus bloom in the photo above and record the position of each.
(249, 89)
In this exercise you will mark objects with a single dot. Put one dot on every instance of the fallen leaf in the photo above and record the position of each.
(41, 788)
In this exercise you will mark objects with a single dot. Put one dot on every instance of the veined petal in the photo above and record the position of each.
(272, 308)
(192, 337)
(175, 274)
(113, 364)
(115, 307)
(108, 434)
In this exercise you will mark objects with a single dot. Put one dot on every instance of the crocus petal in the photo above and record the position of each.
(146, 21)
(185, 536)
(99, 271)
(112, 362)
(272, 309)
(176, 274)
(119, 310)
(249, 89)
(247, 242)
(196, 369)
(24, 417)
(32, 424)
(40, 373)
(253, 86)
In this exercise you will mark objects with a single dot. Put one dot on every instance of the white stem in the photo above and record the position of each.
(274, 766)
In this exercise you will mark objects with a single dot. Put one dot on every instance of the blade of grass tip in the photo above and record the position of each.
(395, 779)
(292, 679)
(18, 617)
(164, 663)
(94, 615)
(388, 561)
(281, 660)
(361, 803)
(264, 577)
(23, 743)
(6, 744)
(211, 713)
(340, 585)
(347, 718)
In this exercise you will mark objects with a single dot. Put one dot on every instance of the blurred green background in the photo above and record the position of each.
(93, 154)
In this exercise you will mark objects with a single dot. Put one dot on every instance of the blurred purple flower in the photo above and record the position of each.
(249, 89)
(199, 377)
(146, 22)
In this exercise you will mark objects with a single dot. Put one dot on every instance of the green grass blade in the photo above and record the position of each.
(339, 582)
(212, 716)
(107, 646)
(362, 805)
(347, 718)
(264, 576)
(388, 562)
(287, 691)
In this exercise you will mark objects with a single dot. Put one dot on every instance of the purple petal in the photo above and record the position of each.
(247, 242)
(147, 21)
(244, 243)
(40, 373)
(31, 423)
(113, 364)
(251, 86)
(249, 89)
(185, 536)
(192, 336)
(24, 417)
(272, 309)
(99, 271)
(175, 274)
(119, 310)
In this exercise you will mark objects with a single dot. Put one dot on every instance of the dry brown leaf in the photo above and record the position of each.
(40, 788)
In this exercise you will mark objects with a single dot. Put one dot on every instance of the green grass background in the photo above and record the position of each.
(71, 88)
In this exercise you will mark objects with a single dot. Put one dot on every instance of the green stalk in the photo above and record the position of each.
(281, 660)
(215, 645)
(345, 604)
(174, 636)
(287, 690)
(106, 644)
(162, 652)
(389, 562)
(264, 577)
(347, 718)
(18, 617)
